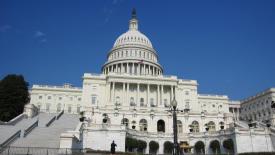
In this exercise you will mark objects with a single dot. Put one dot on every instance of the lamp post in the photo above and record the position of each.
(175, 129)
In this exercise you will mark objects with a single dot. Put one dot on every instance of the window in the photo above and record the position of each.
(79, 99)
(125, 121)
(58, 107)
(186, 92)
(40, 97)
(152, 102)
(195, 126)
(142, 102)
(71, 98)
(143, 125)
(187, 104)
(213, 105)
(60, 98)
(179, 125)
(165, 103)
(48, 107)
(39, 106)
(132, 101)
(211, 126)
(117, 100)
(69, 108)
(78, 108)
(93, 99)
(49, 97)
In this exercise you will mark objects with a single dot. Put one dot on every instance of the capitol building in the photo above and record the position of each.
(131, 99)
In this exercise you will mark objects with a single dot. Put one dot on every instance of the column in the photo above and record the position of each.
(148, 88)
(124, 95)
(127, 68)
(111, 68)
(138, 69)
(144, 69)
(113, 94)
(171, 94)
(161, 95)
(158, 102)
(137, 100)
(109, 91)
(122, 68)
(132, 68)
(127, 94)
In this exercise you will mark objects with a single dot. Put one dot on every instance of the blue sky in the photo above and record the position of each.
(228, 46)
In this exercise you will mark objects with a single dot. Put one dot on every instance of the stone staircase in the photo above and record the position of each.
(43, 136)
(8, 130)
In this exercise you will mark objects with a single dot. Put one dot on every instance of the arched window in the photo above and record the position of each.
(132, 101)
(161, 126)
(143, 125)
(58, 107)
(142, 102)
(195, 126)
(125, 121)
(179, 125)
(211, 126)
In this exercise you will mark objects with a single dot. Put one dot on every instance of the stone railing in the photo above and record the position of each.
(14, 120)
(30, 128)
(10, 140)
(51, 121)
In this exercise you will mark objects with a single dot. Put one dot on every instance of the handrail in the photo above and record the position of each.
(51, 121)
(29, 129)
(60, 114)
(10, 140)
(14, 120)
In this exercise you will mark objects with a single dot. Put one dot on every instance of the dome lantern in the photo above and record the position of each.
(133, 25)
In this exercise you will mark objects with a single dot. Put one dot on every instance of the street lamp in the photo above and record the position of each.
(174, 110)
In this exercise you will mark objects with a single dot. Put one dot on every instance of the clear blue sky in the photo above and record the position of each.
(228, 46)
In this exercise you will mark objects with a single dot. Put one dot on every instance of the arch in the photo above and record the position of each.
(125, 121)
(179, 125)
(153, 147)
(215, 147)
(199, 147)
(143, 125)
(168, 147)
(58, 107)
(195, 126)
(228, 144)
(161, 125)
(211, 126)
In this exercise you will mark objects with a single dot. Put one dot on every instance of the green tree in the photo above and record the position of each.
(14, 95)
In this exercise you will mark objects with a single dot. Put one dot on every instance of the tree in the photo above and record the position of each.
(14, 95)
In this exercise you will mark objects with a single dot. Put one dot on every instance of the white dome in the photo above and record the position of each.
(133, 37)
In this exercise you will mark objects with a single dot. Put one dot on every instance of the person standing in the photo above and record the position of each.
(113, 147)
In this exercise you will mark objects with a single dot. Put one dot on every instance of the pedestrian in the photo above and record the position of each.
(113, 147)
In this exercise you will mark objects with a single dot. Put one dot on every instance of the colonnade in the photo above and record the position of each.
(139, 68)
(159, 100)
